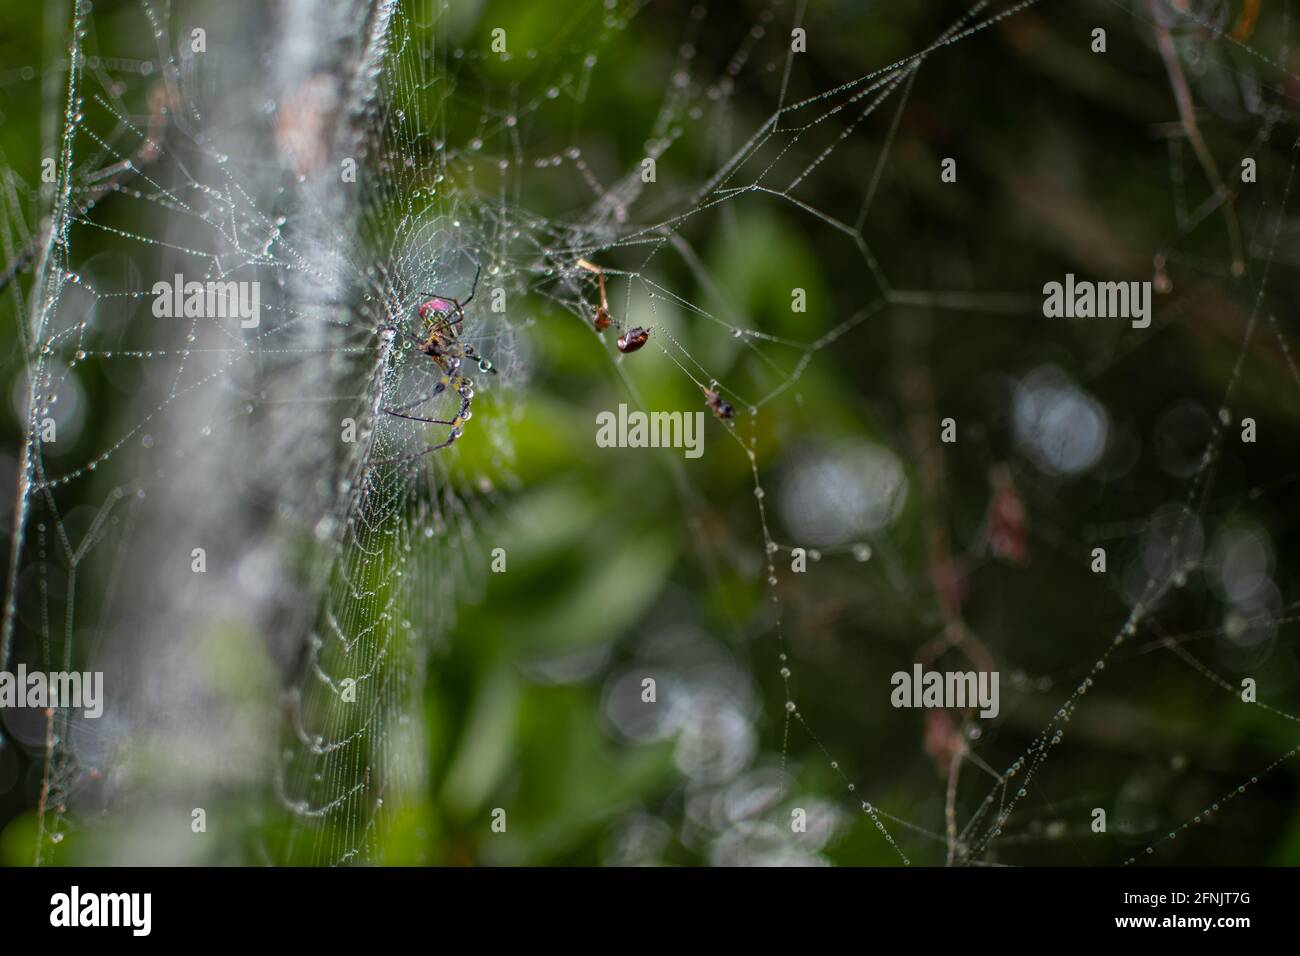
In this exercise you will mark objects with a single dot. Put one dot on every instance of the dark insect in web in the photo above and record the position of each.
(601, 319)
(631, 340)
(722, 409)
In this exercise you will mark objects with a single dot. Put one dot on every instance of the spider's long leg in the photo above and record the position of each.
(461, 385)
(416, 418)
(417, 402)
(401, 331)
(470, 353)
(458, 383)
(418, 454)
(472, 289)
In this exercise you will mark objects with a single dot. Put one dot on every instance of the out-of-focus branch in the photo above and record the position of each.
(913, 337)
(110, 181)
(1187, 116)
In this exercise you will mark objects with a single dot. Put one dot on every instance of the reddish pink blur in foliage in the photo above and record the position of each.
(1007, 520)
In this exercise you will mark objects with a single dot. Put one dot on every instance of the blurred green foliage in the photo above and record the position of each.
(1064, 165)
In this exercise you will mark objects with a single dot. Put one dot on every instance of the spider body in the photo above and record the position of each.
(443, 318)
(440, 341)
(436, 307)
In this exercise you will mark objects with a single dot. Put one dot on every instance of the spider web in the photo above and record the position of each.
(336, 552)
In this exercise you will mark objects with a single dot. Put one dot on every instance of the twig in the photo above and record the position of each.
(950, 805)
(1187, 115)
(146, 153)
(914, 337)
(918, 400)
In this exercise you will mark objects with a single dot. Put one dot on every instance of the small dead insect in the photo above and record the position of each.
(721, 407)
(602, 319)
(633, 339)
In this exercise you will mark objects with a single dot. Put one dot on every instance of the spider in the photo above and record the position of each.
(444, 318)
